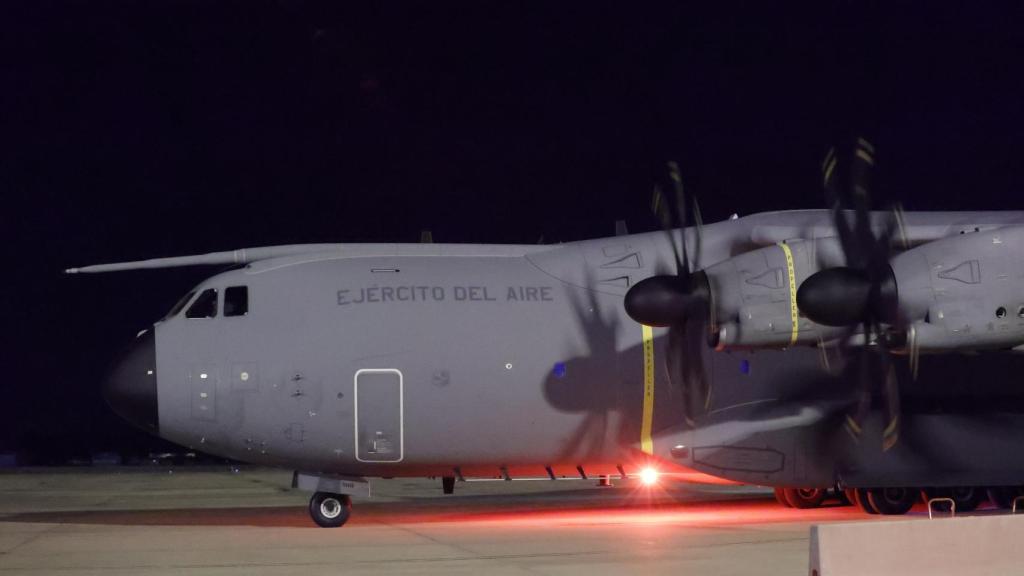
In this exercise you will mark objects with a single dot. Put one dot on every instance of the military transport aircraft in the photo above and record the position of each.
(872, 353)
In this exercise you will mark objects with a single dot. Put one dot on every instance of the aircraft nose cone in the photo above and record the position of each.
(130, 388)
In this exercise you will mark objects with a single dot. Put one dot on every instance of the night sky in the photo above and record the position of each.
(142, 129)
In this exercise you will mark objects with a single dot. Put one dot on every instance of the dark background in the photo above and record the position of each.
(135, 130)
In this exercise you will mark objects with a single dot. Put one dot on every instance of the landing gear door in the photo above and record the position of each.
(378, 415)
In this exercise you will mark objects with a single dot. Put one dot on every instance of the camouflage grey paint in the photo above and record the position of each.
(521, 358)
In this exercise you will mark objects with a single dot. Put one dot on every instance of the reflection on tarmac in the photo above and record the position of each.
(479, 511)
(216, 522)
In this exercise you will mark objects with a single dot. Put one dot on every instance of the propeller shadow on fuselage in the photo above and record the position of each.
(605, 385)
(589, 383)
(802, 411)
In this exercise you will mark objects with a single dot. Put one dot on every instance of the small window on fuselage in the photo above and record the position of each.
(236, 301)
(205, 305)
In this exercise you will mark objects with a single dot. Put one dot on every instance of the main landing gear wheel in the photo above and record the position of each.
(805, 497)
(851, 496)
(330, 510)
(841, 498)
(967, 498)
(860, 498)
(928, 494)
(780, 497)
(1002, 496)
(893, 501)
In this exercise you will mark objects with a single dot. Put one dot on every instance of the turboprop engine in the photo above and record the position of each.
(754, 295)
(960, 293)
(748, 301)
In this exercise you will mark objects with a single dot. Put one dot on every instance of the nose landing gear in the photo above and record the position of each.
(330, 510)
(331, 504)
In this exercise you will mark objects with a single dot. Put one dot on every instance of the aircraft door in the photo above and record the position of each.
(378, 415)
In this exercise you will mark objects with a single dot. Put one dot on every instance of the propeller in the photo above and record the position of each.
(681, 301)
(862, 296)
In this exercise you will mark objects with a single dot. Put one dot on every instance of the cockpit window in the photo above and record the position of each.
(236, 301)
(205, 305)
(180, 304)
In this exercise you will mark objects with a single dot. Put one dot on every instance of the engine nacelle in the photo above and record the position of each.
(965, 292)
(754, 294)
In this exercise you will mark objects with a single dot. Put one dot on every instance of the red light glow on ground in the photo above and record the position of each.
(654, 513)
(639, 506)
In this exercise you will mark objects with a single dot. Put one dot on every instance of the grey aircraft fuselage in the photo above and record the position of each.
(489, 361)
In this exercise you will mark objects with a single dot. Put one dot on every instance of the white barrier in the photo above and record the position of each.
(976, 545)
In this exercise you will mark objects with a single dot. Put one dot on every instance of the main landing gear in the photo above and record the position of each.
(805, 497)
(330, 510)
(801, 497)
(895, 501)
(1002, 497)
(872, 501)
(965, 498)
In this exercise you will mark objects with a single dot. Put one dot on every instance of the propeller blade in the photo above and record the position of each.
(913, 350)
(854, 423)
(698, 222)
(896, 228)
(661, 209)
(834, 200)
(696, 341)
(681, 302)
(680, 201)
(675, 367)
(891, 399)
(862, 294)
(685, 365)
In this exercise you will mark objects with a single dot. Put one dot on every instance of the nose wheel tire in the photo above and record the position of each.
(330, 510)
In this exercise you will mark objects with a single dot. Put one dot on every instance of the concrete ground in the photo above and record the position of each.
(221, 522)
